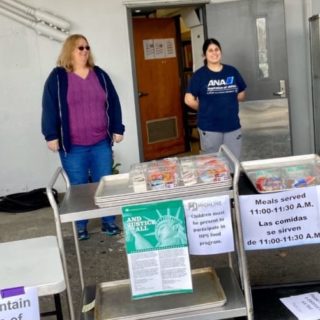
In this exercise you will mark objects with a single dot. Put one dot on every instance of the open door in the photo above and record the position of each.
(158, 77)
(258, 48)
(253, 38)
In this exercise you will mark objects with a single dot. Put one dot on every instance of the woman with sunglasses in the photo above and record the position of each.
(214, 92)
(81, 119)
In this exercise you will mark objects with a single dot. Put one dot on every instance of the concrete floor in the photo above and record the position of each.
(104, 257)
(265, 129)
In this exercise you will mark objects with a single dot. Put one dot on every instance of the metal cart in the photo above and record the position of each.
(78, 203)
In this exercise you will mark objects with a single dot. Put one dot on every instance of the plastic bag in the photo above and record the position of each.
(26, 201)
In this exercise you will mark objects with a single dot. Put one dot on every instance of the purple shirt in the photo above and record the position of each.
(87, 109)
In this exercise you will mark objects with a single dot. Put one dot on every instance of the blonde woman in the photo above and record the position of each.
(81, 118)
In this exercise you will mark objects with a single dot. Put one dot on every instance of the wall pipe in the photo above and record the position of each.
(40, 27)
(40, 15)
(13, 10)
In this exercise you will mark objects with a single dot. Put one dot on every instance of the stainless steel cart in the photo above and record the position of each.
(78, 204)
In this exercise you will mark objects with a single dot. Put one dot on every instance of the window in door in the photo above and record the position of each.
(261, 24)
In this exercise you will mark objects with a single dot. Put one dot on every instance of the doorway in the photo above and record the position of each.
(163, 64)
(157, 60)
(257, 49)
(253, 39)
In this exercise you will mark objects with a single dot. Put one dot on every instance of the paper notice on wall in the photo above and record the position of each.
(148, 49)
(170, 48)
(209, 225)
(157, 249)
(159, 48)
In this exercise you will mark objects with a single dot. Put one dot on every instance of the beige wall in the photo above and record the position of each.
(26, 60)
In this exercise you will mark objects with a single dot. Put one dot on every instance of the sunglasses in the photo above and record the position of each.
(81, 48)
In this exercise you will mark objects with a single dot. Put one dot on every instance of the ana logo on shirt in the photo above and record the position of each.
(221, 82)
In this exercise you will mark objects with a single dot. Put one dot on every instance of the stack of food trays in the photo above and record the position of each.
(170, 173)
(164, 179)
(279, 174)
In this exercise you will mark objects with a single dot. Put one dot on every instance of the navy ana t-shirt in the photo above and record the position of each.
(217, 93)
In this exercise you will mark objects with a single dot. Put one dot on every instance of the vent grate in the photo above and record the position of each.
(162, 130)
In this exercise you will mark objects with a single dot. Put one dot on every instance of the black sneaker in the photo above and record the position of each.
(110, 229)
(83, 234)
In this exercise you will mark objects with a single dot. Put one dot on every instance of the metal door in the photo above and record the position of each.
(253, 39)
(252, 35)
(314, 25)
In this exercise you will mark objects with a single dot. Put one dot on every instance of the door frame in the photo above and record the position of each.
(134, 5)
(163, 105)
(135, 82)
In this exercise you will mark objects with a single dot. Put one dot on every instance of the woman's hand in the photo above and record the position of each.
(191, 101)
(117, 137)
(53, 145)
(241, 96)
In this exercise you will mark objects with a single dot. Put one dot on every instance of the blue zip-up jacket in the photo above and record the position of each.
(55, 113)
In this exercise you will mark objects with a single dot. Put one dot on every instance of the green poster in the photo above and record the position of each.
(157, 249)
(152, 226)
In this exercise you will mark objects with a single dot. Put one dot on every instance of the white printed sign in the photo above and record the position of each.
(23, 305)
(281, 219)
(148, 49)
(209, 225)
(170, 48)
(304, 306)
(159, 48)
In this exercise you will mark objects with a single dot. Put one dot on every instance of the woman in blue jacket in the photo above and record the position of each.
(214, 92)
(81, 119)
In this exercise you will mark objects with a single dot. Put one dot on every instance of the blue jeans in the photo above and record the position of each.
(88, 163)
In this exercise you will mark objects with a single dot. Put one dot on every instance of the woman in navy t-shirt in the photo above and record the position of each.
(214, 92)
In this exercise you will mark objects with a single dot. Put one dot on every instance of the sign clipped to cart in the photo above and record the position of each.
(157, 249)
(281, 219)
(19, 303)
(209, 225)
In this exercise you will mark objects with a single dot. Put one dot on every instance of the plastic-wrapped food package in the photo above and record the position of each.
(299, 176)
(212, 168)
(138, 177)
(268, 180)
(188, 172)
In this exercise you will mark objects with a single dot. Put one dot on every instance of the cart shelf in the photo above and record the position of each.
(234, 307)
